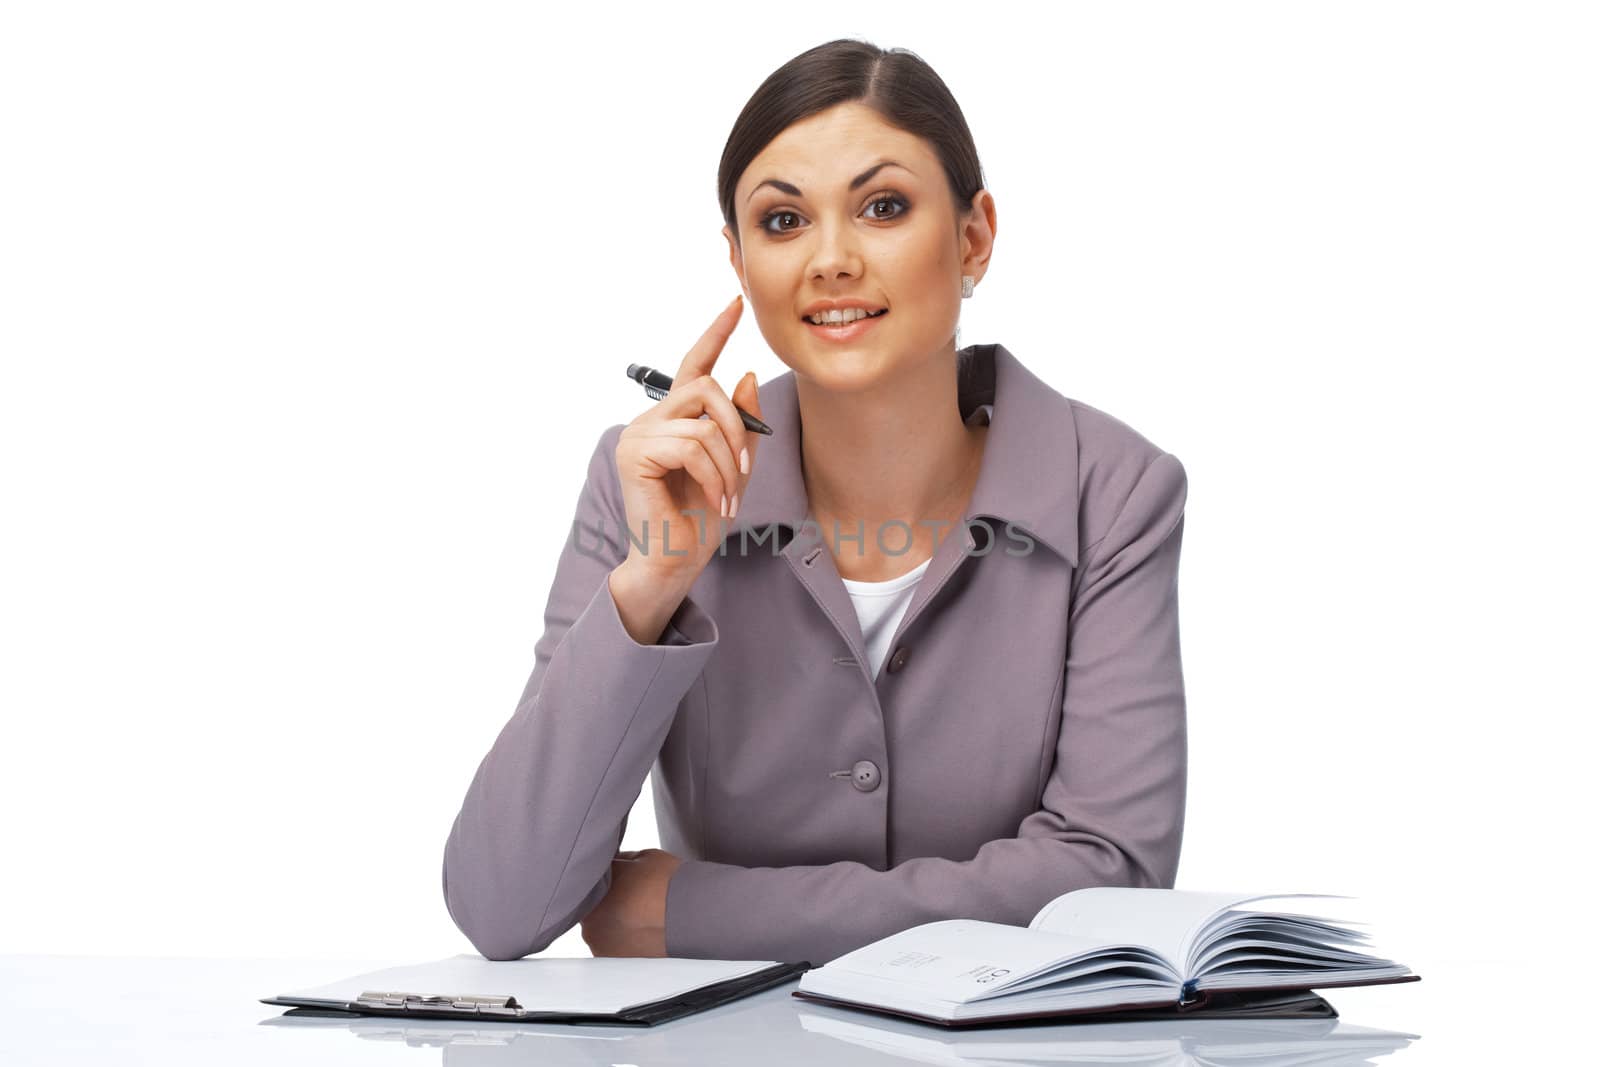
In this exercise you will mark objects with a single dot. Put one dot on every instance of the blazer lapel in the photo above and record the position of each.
(1028, 478)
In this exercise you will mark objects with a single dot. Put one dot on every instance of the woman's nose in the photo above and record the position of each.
(837, 252)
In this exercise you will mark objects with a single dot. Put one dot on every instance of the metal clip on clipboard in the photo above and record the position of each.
(477, 1005)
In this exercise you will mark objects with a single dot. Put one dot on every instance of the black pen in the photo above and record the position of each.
(656, 385)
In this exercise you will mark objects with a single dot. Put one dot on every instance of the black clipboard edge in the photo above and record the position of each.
(650, 1014)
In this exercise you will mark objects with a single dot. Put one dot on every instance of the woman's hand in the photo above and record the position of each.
(631, 919)
(672, 461)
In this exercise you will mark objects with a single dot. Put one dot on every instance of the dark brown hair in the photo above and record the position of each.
(896, 83)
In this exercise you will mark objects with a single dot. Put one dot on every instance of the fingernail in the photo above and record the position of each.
(724, 505)
(744, 461)
(733, 512)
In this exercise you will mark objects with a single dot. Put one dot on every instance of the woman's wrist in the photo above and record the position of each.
(645, 602)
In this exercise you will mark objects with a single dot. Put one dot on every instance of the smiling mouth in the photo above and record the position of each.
(875, 315)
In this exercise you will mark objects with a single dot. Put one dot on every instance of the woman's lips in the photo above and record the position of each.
(841, 334)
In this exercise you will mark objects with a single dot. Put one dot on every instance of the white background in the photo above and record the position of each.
(311, 314)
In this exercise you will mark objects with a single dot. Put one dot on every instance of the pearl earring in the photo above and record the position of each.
(967, 282)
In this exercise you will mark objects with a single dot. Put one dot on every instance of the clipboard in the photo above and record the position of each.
(605, 991)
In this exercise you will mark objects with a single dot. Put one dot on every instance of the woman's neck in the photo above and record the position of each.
(901, 452)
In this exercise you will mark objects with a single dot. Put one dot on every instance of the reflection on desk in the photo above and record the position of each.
(777, 1028)
(1260, 1042)
(76, 1011)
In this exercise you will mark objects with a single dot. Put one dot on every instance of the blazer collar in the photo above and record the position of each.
(1028, 476)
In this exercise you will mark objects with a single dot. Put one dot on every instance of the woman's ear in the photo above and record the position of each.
(736, 258)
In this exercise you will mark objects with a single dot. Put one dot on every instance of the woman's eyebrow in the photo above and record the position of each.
(855, 183)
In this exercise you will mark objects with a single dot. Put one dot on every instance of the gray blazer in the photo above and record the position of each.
(1025, 738)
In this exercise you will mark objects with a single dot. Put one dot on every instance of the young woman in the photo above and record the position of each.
(914, 656)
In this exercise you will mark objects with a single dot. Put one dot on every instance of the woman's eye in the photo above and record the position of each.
(766, 222)
(893, 199)
(897, 201)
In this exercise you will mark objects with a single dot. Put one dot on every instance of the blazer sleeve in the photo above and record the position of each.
(530, 853)
(1111, 812)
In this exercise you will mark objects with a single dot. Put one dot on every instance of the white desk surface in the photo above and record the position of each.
(129, 1010)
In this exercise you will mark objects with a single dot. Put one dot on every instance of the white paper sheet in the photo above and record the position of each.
(601, 986)
(1167, 920)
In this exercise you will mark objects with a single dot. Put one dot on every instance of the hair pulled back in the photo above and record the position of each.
(896, 83)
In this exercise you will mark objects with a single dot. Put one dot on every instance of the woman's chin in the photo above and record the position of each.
(846, 369)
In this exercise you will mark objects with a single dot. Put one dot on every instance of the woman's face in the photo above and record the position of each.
(893, 241)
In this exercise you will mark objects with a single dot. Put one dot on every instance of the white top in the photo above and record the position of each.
(881, 605)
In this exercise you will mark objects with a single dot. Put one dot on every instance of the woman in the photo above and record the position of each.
(927, 667)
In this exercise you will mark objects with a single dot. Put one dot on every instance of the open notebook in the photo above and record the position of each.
(609, 990)
(1105, 950)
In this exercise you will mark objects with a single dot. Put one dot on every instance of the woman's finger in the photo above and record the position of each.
(705, 397)
(687, 451)
(703, 356)
(747, 395)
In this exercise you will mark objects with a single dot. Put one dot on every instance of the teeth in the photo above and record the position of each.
(822, 318)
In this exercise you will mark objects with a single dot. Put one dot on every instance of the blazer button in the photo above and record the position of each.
(898, 660)
(864, 776)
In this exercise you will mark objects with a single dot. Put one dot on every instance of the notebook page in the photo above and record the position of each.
(603, 985)
(1165, 920)
(954, 960)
